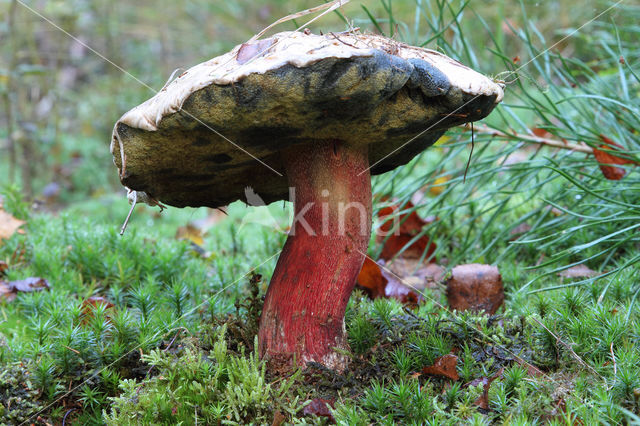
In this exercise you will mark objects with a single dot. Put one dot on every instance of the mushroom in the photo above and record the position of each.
(314, 115)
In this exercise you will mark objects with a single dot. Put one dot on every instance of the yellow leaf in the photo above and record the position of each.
(191, 233)
(439, 185)
(444, 139)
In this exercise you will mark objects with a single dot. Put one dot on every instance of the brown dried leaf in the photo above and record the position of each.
(605, 159)
(378, 282)
(89, 304)
(532, 370)
(9, 290)
(94, 301)
(8, 225)
(444, 366)
(371, 280)
(476, 287)
(416, 273)
(483, 400)
(213, 217)
(410, 225)
(320, 408)
(3, 267)
(578, 271)
(278, 418)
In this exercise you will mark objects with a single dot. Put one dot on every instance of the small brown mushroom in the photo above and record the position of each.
(320, 113)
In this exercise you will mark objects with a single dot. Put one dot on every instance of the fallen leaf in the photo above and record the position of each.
(439, 186)
(3, 267)
(10, 289)
(475, 287)
(248, 51)
(416, 274)
(532, 370)
(444, 139)
(278, 418)
(399, 229)
(540, 132)
(578, 271)
(606, 159)
(556, 211)
(371, 280)
(377, 281)
(483, 400)
(516, 232)
(405, 294)
(8, 225)
(92, 302)
(191, 233)
(320, 408)
(444, 366)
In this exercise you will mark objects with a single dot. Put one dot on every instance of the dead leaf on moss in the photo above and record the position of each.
(9, 225)
(278, 418)
(416, 273)
(475, 287)
(439, 185)
(10, 289)
(214, 216)
(93, 302)
(320, 408)
(483, 400)
(532, 370)
(377, 281)
(444, 366)
(578, 271)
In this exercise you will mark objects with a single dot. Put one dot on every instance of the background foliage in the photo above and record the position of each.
(531, 209)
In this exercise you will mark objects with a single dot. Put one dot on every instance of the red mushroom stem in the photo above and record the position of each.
(303, 315)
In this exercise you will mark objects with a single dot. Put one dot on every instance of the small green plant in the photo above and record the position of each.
(195, 387)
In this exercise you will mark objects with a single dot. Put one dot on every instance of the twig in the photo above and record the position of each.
(72, 350)
(64, 419)
(342, 41)
(329, 6)
(133, 206)
(569, 348)
(613, 357)
(578, 147)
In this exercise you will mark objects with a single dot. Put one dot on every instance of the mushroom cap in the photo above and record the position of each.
(181, 146)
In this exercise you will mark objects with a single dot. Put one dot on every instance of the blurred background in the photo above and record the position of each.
(59, 99)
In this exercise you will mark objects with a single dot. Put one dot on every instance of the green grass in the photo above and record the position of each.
(173, 305)
(178, 344)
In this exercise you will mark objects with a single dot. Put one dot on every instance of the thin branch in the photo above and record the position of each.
(554, 143)
(570, 349)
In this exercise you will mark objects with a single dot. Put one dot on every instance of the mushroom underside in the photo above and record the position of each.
(386, 104)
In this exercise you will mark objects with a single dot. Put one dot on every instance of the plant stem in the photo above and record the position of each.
(578, 147)
(303, 315)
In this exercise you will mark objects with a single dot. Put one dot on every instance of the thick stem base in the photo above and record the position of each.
(303, 315)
